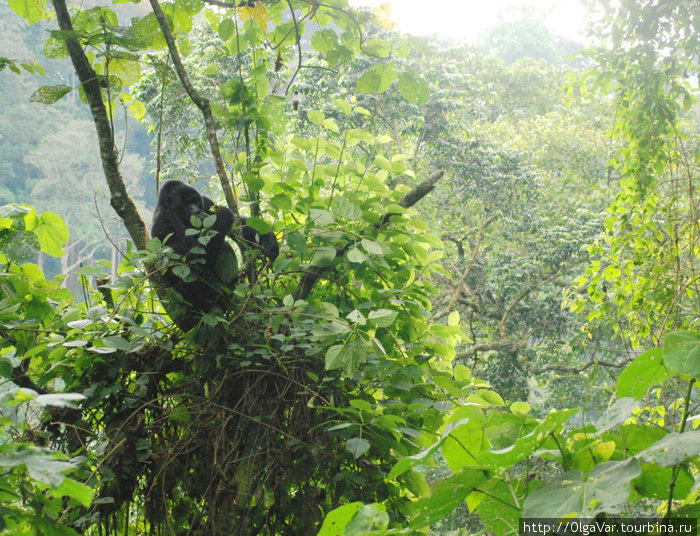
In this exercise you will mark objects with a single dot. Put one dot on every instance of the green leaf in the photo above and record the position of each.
(462, 373)
(254, 181)
(466, 441)
(409, 462)
(413, 88)
(75, 490)
(378, 79)
(616, 414)
(50, 94)
(344, 208)
(453, 319)
(323, 256)
(281, 201)
(357, 446)
(681, 352)
(383, 318)
(182, 271)
(641, 374)
(120, 343)
(40, 465)
(226, 29)
(356, 317)
(335, 356)
(520, 408)
(331, 125)
(335, 522)
(355, 255)
(605, 490)
(321, 217)
(655, 481)
(324, 40)
(672, 449)
(366, 519)
(343, 105)
(371, 247)
(527, 444)
(261, 226)
(62, 400)
(492, 397)
(316, 116)
(382, 162)
(361, 404)
(445, 496)
(30, 10)
(52, 233)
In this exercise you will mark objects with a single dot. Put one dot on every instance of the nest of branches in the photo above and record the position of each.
(229, 437)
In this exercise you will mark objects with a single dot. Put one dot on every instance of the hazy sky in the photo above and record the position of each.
(465, 19)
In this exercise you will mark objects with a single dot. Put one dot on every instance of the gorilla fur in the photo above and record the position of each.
(203, 249)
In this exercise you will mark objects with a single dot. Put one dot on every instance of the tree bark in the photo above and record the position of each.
(91, 83)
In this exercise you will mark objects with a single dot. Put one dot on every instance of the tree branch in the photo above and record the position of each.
(462, 285)
(119, 198)
(578, 370)
(415, 195)
(203, 104)
(486, 346)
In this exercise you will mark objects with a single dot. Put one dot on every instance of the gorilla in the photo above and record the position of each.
(267, 242)
(178, 221)
(182, 221)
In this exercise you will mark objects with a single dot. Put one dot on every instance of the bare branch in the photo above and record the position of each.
(578, 370)
(415, 195)
(462, 285)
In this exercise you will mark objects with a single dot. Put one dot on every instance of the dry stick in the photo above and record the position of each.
(311, 277)
(203, 104)
(119, 198)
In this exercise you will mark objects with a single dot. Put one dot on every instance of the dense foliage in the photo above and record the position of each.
(448, 221)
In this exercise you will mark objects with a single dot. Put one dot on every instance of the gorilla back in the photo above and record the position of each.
(179, 221)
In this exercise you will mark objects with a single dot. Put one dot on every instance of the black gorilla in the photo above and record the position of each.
(202, 248)
(266, 242)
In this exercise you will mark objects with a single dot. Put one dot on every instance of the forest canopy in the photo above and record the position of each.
(390, 284)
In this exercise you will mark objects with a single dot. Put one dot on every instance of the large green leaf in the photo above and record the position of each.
(655, 481)
(29, 10)
(682, 352)
(616, 414)
(673, 449)
(446, 495)
(642, 373)
(41, 465)
(377, 79)
(335, 522)
(50, 94)
(407, 463)
(52, 233)
(527, 444)
(369, 517)
(413, 88)
(464, 444)
(605, 490)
